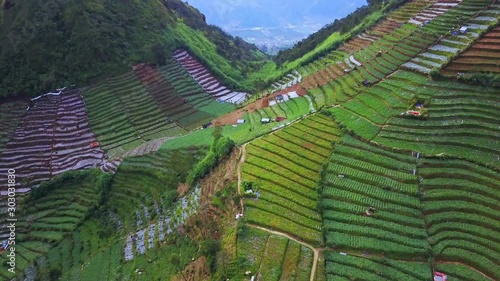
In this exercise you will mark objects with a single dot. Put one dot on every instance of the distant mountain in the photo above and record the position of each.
(274, 21)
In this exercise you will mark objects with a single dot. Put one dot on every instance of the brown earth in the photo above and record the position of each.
(210, 218)
(182, 189)
(198, 270)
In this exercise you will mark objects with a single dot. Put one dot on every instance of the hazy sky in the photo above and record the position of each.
(235, 14)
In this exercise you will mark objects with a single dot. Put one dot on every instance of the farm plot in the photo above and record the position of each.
(483, 56)
(463, 121)
(448, 47)
(287, 81)
(54, 137)
(460, 203)
(171, 218)
(367, 65)
(370, 202)
(11, 114)
(123, 115)
(350, 267)
(438, 8)
(371, 109)
(409, 10)
(203, 76)
(174, 106)
(191, 91)
(145, 187)
(44, 221)
(272, 257)
(283, 169)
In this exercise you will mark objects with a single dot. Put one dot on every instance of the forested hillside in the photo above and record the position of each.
(53, 43)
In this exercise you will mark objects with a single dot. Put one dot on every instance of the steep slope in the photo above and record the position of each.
(55, 43)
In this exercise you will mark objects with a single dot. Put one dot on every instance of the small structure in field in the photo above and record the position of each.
(265, 120)
(207, 125)
(94, 144)
(411, 113)
(240, 121)
(463, 29)
(367, 83)
(370, 211)
(279, 119)
(439, 276)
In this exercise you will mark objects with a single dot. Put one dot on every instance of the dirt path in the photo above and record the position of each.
(315, 251)
(243, 154)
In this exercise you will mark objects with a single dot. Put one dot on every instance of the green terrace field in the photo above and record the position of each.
(74, 228)
(284, 169)
(87, 254)
(379, 58)
(145, 187)
(360, 176)
(117, 114)
(450, 45)
(427, 211)
(460, 203)
(44, 221)
(463, 121)
(274, 257)
(350, 267)
(11, 113)
(398, 47)
(481, 57)
(188, 88)
(146, 104)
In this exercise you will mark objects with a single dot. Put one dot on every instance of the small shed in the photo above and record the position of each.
(367, 82)
(265, 120)
(207, 125)
(279, 98)
(463, 29)
(240, 121)
(279, 119)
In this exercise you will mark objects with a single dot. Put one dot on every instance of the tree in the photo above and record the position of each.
(159, 52)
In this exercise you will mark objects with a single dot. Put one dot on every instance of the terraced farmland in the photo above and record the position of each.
(146, 104)
(360, 176)
(449, 46)
(145, 187)
(287, 81)
(45, 221)
(408, 207)
(351, 267)
(460, 202)
(53, 137)
(285, 184)
(191, 91)
(463, 121)
(370, 56)
(11, 114)
(483, 56)
(274, 257)
(203, 76)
